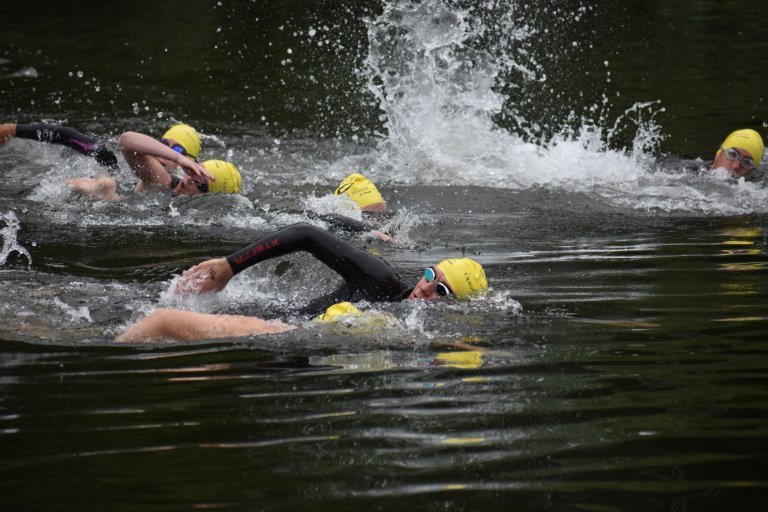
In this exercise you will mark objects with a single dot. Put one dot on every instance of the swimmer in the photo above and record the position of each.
(154, 160)
(363, 192)
(104, 188)
(366, 277)
(150, 159)
(367, 197)
(54, 134)
(740, 154)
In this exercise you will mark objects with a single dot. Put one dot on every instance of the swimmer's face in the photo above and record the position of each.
(735, 166)
(189, 187)
(427, 290)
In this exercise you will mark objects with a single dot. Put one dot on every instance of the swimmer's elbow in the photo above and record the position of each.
(127, 141)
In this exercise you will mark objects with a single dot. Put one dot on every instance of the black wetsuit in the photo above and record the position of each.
(366, 277)
(344, 224)
(69, 137)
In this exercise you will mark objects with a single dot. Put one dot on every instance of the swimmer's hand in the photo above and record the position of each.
(194, 169)
(382, 236)
(208, 276)
(6, 132)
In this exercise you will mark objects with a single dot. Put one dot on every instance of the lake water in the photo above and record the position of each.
(619, 362)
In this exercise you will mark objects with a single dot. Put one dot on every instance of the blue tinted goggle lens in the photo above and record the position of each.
(441, 289)
(177, 148)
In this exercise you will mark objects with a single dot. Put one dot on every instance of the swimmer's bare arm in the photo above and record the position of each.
(190, 325)
(103, 188)
(150, 160)
(208, 276)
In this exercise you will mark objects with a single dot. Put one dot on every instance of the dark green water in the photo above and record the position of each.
(619, 363)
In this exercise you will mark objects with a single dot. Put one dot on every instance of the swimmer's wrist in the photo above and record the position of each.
(232, 266)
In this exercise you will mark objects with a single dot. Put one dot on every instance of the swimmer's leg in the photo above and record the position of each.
(189, 326)
(102, 188)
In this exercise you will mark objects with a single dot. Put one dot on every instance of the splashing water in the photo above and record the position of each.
(8, 234)
(81, 313)
(435, 72)
(435, 93)
(436, 88)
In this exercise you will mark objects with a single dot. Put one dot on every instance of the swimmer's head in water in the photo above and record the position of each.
(465, 277)
(227, 176)
(747, 139)
(338, 310)
(361, 190)
(187, 137)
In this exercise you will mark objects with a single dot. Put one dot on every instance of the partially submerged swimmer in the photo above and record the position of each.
(153, 162)
(366, 277)
(104, 188)
(363, 192)
(367, 197)
(740, 154)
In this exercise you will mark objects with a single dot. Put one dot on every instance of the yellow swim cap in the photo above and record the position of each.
(466, 277)
(337, 310)
(746, 139)
(344, 318)
(360, 189)
(226, 174)
(187, 137)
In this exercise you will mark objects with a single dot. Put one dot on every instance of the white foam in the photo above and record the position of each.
(436, 90)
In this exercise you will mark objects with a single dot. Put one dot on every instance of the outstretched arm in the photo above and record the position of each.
(190, 325)
(54, 134)
(356, 266)
(355, 226)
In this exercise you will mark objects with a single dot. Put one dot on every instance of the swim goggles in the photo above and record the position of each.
(731, 154)
(175, 181)
(441, 288)
(177, 147)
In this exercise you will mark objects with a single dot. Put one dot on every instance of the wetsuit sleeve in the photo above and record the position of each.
(345, 223)
(362, 271)
(69, 137)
